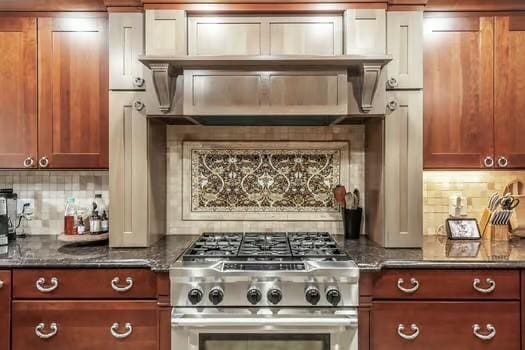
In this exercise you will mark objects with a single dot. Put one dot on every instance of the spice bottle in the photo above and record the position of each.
(81, 229)
(69, 217)
(104, 223)
(94, 222)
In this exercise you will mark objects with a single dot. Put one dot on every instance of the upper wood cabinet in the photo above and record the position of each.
(18, 71)
(275, 35)
(126, 43)
(405, 44)
(509, 91)
(365, 32)
(458, 99)
(166, 32)
(73, 92)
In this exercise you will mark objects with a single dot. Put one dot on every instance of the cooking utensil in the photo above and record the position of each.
(350, 200)
(494, 201)
(357, 199)
(508, 202)
(339, 194)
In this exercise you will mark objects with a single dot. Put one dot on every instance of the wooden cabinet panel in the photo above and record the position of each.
(84, 284)
(73, 92)
(405, 43)
(365, 32)
(5, 306)
(126, 43)
(18, 71)
(403, 171)
(509, 91)
(441, 284)
(85, 325)
(170, 25)
(445, 325)
(209, 92)
(458, 99)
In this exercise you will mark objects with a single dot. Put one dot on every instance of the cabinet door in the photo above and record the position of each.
(458, 99)
(18, 71)
(166, 32)
(404, 170)
(509, 91)
(5, 306)
(126, 43)
(365, 32)
(73, 93)
(128, 147)
(85, 325)
(405, 44)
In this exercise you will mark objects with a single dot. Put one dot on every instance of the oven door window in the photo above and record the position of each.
(243, 341)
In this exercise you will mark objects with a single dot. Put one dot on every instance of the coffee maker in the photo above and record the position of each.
(8, 207)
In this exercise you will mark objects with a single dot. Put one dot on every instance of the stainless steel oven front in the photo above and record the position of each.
(264, 329)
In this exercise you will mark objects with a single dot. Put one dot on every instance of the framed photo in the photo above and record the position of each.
(461, 228)
(462, 249)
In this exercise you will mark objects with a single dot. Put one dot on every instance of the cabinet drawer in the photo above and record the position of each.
(454, 284)
(84, 325)
(84, 284)
(5, 306)
(445, 325)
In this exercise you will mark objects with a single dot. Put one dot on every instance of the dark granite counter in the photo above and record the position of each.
(437, 252)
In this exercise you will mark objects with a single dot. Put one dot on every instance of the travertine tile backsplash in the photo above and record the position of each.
(49, 190)
(477, 186)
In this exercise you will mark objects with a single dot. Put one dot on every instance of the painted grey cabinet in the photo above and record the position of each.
(166, 32)
(260, 35)
(405, 44)
(364, 32)
(223, 92)
(126, 43)
(137, 150)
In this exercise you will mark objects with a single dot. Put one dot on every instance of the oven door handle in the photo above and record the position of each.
(182, 320)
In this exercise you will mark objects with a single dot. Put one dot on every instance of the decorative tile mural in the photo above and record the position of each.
(239, 179)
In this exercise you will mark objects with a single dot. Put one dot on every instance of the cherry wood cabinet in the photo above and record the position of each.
(509, 91)
(61, 325)
(73, 92)
(18, 71)
(5, 306)
(458, 98)
(445, 325)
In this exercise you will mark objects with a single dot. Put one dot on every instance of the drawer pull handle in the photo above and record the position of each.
(39, 330)
(413, 282)
(491, 332)
(42, 281)
(477, 282)
(115, 327)
(115, 281)
(413, 327)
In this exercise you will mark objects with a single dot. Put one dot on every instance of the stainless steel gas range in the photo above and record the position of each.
(253, 291)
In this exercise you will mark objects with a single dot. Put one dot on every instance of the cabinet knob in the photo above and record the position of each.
(488, 335)
(115, 330)
(115, 284)
(392, 82)
(476, 284)
(138, 82)
(414, 282)
(43, 162)
(40, 285)
(392, 104)
(503, 162)
(139, 105)
(29, 162)
(39, 330)
(488, 162)
(411, 336)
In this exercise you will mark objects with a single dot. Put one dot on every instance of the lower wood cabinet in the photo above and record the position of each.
(445, 325)
(85, 325)
(5, 309)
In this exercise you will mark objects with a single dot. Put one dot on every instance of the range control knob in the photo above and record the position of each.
(254, 295)
(216, 295)
(333, 296)
(195, 295)
(312, 295)
(274, 295)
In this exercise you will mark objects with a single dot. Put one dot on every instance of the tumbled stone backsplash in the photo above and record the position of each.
(477, 186)
(49, 190)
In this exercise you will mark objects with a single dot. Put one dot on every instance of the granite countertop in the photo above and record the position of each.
(437, 252)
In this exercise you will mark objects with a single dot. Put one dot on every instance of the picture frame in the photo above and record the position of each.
(462, 229)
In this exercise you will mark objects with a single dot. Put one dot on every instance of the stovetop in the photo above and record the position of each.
(258, 246)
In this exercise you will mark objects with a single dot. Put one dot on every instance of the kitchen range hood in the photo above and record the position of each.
(265, 90)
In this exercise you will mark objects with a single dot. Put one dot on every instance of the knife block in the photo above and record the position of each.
(484, 222)
(499, 232)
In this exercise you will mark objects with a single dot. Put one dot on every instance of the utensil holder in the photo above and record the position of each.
(352, 222)
(500, 232)
(484, 222)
